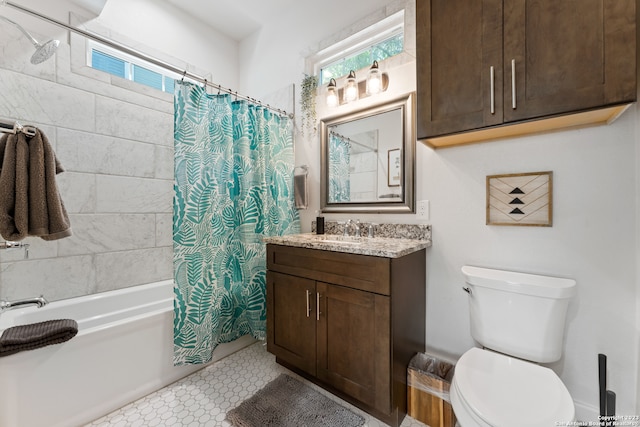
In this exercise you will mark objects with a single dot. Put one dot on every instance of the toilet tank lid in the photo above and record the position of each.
(523, 283)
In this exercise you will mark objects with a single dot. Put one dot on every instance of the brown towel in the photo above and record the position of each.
(36, 335)
(30, 204)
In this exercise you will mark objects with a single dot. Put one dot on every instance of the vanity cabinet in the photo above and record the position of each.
(485, 64)
(348, 322)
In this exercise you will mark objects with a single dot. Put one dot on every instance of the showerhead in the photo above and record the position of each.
(43, 51)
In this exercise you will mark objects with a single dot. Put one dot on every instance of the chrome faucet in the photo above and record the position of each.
(356, 228)
(346, 228)
(10, 305)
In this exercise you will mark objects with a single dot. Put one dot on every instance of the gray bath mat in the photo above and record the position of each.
(286, 402)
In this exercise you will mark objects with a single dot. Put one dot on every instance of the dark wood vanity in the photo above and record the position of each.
(348, 322)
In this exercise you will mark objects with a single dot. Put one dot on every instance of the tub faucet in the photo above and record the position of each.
(10, 305)
(16, 245)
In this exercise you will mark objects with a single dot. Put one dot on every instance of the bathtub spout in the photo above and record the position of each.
(10, 305)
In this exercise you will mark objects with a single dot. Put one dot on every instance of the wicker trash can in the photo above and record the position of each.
(428, 383)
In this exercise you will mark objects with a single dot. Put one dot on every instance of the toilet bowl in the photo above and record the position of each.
(519, 320)
(494, 390)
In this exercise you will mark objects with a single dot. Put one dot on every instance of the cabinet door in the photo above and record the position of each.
(354, 344)
(291, 320)
(459, 65)
(568, 55)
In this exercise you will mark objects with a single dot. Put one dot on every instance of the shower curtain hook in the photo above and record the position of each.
(183, 75)
(236, 95)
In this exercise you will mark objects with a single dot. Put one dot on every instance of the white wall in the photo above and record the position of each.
(274, 57)
(156, 28)
(167, 29)
(594, 238)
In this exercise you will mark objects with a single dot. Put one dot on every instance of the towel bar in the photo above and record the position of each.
(11, 126)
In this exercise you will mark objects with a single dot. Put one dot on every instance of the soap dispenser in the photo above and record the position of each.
(319, 223)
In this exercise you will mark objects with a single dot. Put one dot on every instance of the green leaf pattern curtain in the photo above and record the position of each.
(339, 162)
(233, 186)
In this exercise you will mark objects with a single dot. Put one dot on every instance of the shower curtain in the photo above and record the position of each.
(339, 163)
(233, 186)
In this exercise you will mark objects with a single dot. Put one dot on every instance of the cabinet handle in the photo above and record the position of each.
(308, 305)
(318, 306)
(493, 95)
(513, 84)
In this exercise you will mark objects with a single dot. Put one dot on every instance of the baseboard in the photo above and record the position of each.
(586, 413)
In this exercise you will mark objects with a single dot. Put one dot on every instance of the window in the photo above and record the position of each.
(377, 42)
(112, 61)
(365, 58)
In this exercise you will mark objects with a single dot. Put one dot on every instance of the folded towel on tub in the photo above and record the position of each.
(36, 335)
(30, 204)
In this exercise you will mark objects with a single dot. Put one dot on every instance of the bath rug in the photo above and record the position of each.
(36, 335)
(286, 402)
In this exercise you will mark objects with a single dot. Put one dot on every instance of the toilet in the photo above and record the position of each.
(519, 320)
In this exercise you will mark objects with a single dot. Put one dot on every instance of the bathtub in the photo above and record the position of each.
(123, 351)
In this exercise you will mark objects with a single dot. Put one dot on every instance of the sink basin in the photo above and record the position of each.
(342, 242)
(336, 239)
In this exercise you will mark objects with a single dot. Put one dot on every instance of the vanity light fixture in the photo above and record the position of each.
(333, 98)
(377, 82)
(351, 88)
(374, 80)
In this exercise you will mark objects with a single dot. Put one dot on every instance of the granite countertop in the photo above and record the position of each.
(386, 247)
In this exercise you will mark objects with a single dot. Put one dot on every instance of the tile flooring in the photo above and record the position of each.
(203, 398)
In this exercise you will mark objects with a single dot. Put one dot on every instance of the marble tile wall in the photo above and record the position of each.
(115, 140)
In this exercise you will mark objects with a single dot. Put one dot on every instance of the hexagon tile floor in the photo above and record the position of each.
(203, 398)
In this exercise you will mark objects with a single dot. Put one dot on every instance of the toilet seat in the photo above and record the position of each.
(492, 389)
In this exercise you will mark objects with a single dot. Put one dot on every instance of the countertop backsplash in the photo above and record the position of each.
(394, 231)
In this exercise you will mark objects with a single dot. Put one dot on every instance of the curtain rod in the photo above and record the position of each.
(333, 132)
(140, 55)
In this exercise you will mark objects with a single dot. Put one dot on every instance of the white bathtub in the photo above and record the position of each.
(123, 351)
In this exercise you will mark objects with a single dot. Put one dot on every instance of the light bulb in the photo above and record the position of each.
(351, 88)
(374, 80)
(332, 94)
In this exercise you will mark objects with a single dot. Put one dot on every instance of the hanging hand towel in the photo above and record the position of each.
(300, 190)
(30, 204)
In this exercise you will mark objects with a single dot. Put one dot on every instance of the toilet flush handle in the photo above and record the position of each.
(467, 290)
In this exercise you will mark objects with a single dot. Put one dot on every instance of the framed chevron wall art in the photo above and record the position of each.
(520, 199)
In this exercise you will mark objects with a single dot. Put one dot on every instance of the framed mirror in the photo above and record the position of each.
(367, 159)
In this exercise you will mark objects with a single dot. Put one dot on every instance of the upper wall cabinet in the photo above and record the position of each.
(496, 68)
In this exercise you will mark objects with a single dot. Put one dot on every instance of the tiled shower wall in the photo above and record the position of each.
(115, 140)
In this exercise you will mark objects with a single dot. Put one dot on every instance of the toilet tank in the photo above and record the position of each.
(519, 314)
